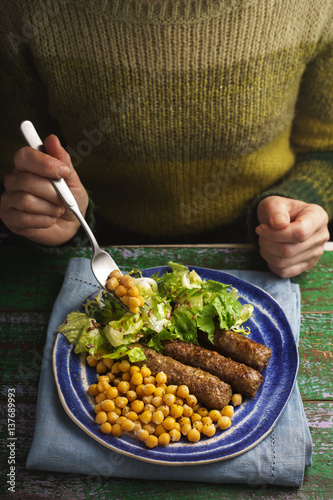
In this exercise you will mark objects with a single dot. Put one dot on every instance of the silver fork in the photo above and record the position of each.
(102, 264)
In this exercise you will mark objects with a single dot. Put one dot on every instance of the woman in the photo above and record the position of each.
(186, 121)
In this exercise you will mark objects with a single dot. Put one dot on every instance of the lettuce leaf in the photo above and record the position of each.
(123, 331)
(81, 330)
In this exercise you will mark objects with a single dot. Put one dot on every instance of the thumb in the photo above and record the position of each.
(274, 211)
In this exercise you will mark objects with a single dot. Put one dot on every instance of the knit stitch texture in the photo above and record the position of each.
(179, 115)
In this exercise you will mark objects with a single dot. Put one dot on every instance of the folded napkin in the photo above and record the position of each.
(60, 445)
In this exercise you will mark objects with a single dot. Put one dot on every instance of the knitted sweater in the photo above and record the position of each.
(179, 115)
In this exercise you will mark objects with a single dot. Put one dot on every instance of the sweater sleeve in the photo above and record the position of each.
(311, 178)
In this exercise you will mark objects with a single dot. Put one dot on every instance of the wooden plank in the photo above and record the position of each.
(316, 356)
(22, 335)
(318, 483)
(317, 286)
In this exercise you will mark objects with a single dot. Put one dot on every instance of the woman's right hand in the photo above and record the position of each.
(30, 206)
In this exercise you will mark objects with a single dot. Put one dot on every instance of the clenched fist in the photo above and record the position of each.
(291, 234)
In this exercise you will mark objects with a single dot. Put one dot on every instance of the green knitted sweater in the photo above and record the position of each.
(179, 115)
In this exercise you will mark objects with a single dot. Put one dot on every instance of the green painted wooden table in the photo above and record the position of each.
(30, 283)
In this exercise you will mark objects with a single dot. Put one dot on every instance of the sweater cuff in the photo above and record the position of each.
(310, 180)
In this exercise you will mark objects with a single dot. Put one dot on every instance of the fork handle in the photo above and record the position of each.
(33, 140)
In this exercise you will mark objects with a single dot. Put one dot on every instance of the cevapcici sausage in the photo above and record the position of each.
(242, 349)
(242, 378)
(209, 390)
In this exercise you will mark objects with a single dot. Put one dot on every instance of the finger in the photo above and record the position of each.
(295, 270)
(308, 221)
(274, 211)
(54, 148)
(310, 254)
(289, 250)
(30, 203)
(33, 184)
(39, 163)
(18, 221)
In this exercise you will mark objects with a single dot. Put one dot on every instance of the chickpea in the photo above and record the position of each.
(209, 430)
(116, 274)
(137, 378)
(193, 435)
(161, 378)
(164, 439)
(198, 425)
(131, 415)
(124, 365)
(183, 391)
(171, 389)
(142, 434)
(224, 422)
(146, 417)
(106, 428)
(145, 371)
(228, 411)
(134, 292)
(93, 390)
(101, 368)
(175, 435)
(127, 281)
(176, 411)
(100, 397)
(92, 361)
(116, 430)
(112, 417)
(127, 425)
(134, 369)
(157, 417)
(185, 429)
(203, 411)
(214, 415)
(169, 423)
(123, 387)
(112, 392)
(120, 291)
(108, 405)
(191, 400)
(149, 427)
(236, 399)
(121, 402)
(112, 283)
(151, 441)
(101, 417)
(137, 406)
(131, 395)
(149, 389)
(102, 386)
(169, 399)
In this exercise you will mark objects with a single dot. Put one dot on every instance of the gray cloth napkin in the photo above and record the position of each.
(60, 445)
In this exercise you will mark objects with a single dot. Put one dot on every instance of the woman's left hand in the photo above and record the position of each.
(291, 234)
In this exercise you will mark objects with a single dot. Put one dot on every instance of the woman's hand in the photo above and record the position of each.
(30, 206)
(291, 234)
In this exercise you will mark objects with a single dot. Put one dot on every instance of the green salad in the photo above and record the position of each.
(178, 305)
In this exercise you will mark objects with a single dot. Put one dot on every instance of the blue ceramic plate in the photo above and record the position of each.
(252, 421)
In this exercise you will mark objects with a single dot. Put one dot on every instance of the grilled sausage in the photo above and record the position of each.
(242, 378)
(209, 390)
(242, 349)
